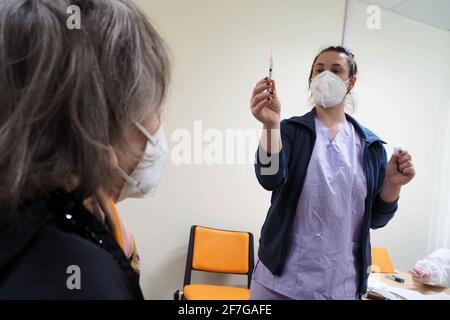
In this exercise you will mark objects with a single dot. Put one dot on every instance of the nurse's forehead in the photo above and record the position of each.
(331, 58)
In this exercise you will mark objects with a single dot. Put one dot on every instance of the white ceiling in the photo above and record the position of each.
(433, 12)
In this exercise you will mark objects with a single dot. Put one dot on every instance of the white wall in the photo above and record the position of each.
(440, 222)
(403, 96)
(220, 49)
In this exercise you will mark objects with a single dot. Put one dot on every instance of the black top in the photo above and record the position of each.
(52, 243)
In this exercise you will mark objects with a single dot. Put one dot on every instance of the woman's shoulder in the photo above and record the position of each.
(61, 265)
(66, 255)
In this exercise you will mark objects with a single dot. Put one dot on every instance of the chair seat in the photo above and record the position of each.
(209, 292)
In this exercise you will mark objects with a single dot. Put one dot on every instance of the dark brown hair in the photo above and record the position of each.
(67, 95)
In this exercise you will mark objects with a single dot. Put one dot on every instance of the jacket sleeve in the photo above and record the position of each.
(382, 212)
(272, 169)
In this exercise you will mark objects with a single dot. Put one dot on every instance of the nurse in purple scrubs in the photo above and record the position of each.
(333, 183)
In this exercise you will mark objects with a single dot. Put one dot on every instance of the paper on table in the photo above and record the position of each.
(394, 293)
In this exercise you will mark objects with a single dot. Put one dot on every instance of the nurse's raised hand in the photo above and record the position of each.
(399, 171)
(265, 105)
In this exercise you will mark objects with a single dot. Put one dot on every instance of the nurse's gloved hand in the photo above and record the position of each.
(420, 275)
(400, 169)
(265, 105)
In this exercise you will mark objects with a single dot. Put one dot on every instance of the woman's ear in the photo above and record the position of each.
(113, 156)
(153, 122)
(351, 83)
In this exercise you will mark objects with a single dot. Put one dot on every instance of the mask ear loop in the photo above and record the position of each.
(127, 178)
(147, 134)
(154, 141)
(122, 173)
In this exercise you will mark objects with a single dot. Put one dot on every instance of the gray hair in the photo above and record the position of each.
(66, 95)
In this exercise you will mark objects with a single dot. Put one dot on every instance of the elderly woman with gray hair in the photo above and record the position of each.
(79, 130)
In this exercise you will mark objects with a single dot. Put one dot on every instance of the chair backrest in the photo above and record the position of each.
(381, 261)
(221, 251)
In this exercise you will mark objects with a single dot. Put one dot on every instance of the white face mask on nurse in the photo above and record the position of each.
(331, 79)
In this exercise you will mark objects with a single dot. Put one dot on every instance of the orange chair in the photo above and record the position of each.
(381, 261)
(219, 251)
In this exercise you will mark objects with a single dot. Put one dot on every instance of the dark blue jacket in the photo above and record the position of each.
(298, 137)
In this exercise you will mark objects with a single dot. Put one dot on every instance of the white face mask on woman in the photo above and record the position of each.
(144, 179)
(328, 89)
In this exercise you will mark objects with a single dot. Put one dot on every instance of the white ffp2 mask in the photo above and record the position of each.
(144, 179)
(328, 89)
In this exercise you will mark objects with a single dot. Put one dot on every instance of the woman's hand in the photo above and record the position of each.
(399, 171)
(265, 105)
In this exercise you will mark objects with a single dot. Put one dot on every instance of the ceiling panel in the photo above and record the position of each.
(432, 12)
(386, 4)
